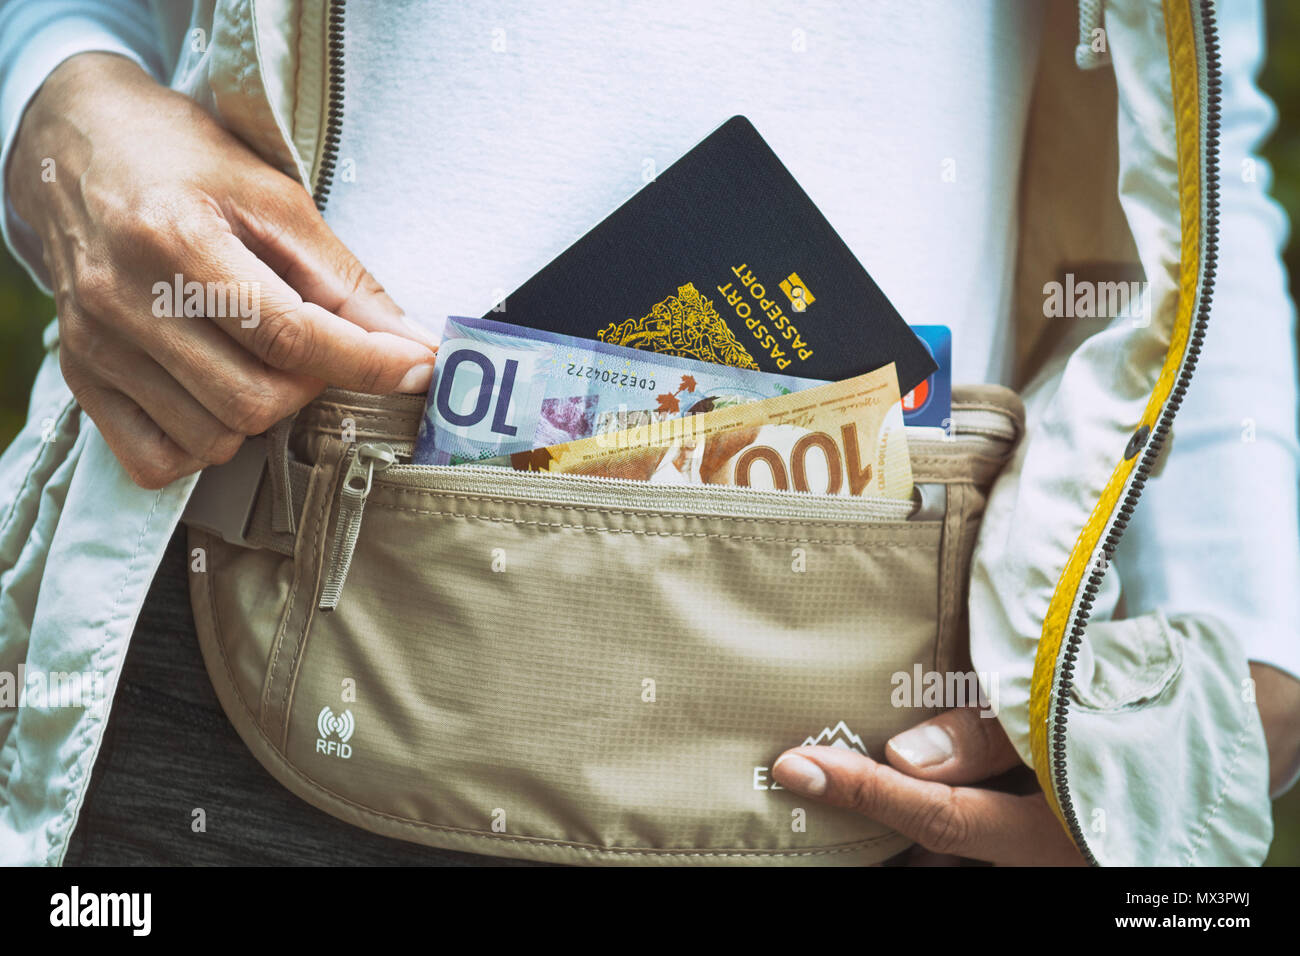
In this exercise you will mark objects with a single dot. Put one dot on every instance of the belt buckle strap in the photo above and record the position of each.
(222, 501)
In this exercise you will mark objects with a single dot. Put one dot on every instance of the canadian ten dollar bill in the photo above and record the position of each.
(499, 388)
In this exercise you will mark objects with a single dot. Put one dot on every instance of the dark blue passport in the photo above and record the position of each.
(724, 258)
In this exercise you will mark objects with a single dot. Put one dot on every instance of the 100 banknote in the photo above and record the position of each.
(844, 438)
(499, 389)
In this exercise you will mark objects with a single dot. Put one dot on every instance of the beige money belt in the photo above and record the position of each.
(566, 668)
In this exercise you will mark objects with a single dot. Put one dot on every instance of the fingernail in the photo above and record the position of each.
(801, 774)
(923, 746)
(417, 379)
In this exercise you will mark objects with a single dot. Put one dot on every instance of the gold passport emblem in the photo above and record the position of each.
(683, 324)
(798, 294)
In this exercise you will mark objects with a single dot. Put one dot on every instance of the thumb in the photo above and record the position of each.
(300, 337)
(286, 230)
(966, 821)
(963, 745)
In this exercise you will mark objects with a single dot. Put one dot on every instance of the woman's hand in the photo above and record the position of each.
(130, 185)
(1277, 694)
(918, 794)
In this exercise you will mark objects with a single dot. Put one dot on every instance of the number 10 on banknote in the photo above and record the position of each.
(500, 389)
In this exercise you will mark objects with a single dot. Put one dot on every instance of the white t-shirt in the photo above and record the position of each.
(481, 140)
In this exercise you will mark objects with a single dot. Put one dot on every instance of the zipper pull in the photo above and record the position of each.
(362, 465)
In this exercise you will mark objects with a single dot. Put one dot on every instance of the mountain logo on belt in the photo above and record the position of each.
(838, 736)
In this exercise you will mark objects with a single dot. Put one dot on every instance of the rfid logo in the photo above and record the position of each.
(340, 726)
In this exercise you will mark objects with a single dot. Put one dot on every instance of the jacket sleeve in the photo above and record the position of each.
(35, 37)
(1142, 721)
(1218, 533)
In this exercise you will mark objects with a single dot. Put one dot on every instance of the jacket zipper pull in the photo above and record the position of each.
(362, 465)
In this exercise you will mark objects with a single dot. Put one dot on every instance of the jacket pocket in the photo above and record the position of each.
(1126, 664)
(1146, 681)
(579, 669)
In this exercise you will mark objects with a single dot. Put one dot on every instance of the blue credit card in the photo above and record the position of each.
(930, 403)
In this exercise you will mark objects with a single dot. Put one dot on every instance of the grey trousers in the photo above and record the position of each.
(174, 784)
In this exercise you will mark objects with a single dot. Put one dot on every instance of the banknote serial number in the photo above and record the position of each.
(606, 375)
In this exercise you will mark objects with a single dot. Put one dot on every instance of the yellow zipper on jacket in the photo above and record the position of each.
(1192, 40)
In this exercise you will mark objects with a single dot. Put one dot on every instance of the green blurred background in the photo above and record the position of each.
(24, 311)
